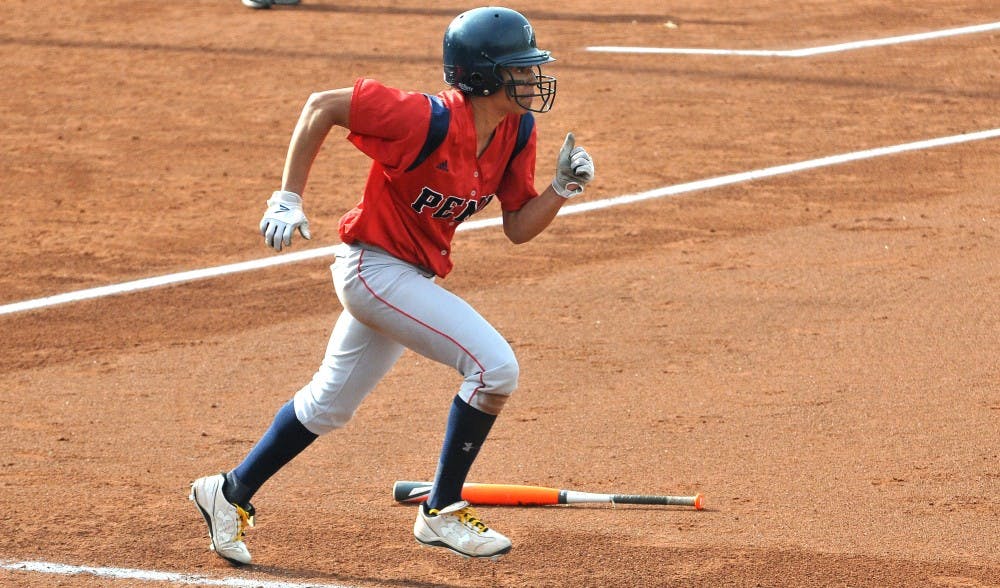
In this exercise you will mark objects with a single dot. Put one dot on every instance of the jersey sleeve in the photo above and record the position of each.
(518, 184)
(387, 124)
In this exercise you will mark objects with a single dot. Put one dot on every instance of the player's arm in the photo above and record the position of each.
(530, 220)
(574, 170)
(284, 212)
(321, 113)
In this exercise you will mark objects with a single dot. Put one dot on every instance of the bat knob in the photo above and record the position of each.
(699, 502)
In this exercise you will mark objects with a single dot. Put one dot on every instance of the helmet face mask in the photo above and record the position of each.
(481, 48)
(523, 91)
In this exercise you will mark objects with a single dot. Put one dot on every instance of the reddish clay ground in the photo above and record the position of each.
(817, 353)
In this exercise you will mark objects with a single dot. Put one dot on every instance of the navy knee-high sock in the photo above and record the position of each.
(466, 432)
(283, 440)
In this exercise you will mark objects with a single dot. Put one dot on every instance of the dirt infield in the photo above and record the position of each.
(816, 352)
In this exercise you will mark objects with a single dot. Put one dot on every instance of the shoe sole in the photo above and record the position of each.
(492, 557)
(208, 521)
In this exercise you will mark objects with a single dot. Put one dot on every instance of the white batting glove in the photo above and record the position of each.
(283, 215)
(574, 169)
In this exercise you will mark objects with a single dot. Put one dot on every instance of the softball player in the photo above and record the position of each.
(437, 160)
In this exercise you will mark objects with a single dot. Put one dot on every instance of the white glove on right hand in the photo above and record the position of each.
(574, 169)
(283, 215)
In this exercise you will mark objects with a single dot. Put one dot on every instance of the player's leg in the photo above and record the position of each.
(356, 359)
(441, 326)
(434, 322)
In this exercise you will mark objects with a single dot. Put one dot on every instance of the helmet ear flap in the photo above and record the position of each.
(479, 84)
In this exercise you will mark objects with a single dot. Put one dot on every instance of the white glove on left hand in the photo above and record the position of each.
(574, 169)
(283, 215)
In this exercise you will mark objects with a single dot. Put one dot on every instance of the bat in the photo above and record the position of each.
(516, 495)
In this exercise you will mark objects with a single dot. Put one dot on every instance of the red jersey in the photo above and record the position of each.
(412, 211)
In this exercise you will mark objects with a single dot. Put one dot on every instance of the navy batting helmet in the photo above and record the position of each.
(480, 45)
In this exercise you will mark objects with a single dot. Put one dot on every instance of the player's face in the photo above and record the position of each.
(525, 84)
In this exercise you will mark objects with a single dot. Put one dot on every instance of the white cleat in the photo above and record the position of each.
(456, 527)
(227, 522)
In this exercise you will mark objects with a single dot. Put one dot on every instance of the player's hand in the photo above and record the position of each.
(283, 215)
(574, 169)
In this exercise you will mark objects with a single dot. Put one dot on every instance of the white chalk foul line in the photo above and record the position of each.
(188, 276)
(805, 52)
(149, 575)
